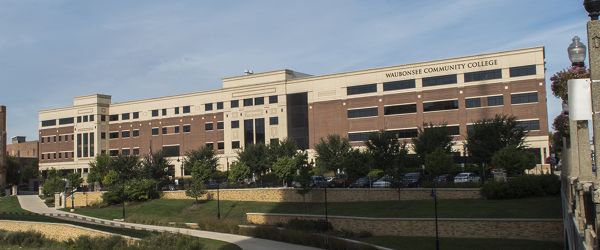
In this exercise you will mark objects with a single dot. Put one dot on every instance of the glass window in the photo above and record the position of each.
(85, 118)
(495, 100)
(125, 151)
(91, 118)
(248, 132)
(186, 109)
(155, 113)
(136, 133)
(48, 123)
(68, 120)
(125, 134)
(165, 130)
(176, 110)
(439, 80)
(176, 129)
(359, 136)
(113, 135)
(103, 118)
(529, 125)
(235, 124)
(483, 75)
(219, 105)
(154, 131)
(404, 84)
(208, 107)
(209, 145)
(220, 145)
(187, 128)
(170, 151)
(453, 130)
(164, 111)
(136, 115)
(125, 116)
(273, 140)
(273, 99)
(136, 151)
(248, 102)
(114, 152)
(524, 98)
(208, 126)
(259, 101)
(366, 112)
(78, 119)
(361, 89)
(220, 125)
(259, 125)
(235, 144)
(405, 133)
(400, 109)
(473, 102)
(522, 71)
(235, 103)
(102, 135)
(274, 120)
(440, 105)
(113, 118)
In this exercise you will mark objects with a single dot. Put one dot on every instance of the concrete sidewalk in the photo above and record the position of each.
(34, 204)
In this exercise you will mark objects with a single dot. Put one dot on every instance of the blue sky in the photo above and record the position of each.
(51, 51)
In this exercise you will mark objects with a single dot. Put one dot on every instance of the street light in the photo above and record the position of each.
(577, 52)
(593, 8)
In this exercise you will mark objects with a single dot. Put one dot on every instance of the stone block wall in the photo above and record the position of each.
(529, 229)
(83, 199)
(55, 231)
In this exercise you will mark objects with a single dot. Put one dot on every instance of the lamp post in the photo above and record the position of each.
(434, 194)
(218, 202)
(593, 34)
(576, 51)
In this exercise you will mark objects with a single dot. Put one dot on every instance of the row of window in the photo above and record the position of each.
(176, 111)
(528, 125)
(175, 129)
(254, 101)
(56, 138)
(442, 105)
(59, 155)
(443, 80)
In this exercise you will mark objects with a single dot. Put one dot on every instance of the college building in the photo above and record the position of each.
(270, 106)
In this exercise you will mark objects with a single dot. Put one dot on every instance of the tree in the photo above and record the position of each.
(438, 162)
(514, 159)
(196, 189)
(204, 154)
(384, 149)
(430, 138)
(74, 180)
(239, 171)
(286, 167)
(201, 172)
(303, 177)
(53, 183)
(356, 164)
(20, 170)
(559, 80)
(99, 168)
(157, 167)
(126, 166)
(488, 136)
(286, 147)
(331, 153)
(255, 157)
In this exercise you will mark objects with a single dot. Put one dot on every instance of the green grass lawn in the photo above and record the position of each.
(10, 205)
(427, 243)
(235, 211)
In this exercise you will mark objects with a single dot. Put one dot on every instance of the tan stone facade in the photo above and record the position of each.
(527, 229)
(260, 108)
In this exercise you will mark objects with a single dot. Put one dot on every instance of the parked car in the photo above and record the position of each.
(445, 178)
(383, 182)
(211, 185)
(466, 177)
(337, 182)
(362, 182)
(411, 180)
(319, 181)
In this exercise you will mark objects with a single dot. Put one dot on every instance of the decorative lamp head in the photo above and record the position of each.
(577, 52)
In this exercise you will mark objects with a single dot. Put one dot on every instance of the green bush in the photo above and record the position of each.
(141, 190)
(25, 239)
(522, 187)
(97, 243)
(113, 196)
(309, 225)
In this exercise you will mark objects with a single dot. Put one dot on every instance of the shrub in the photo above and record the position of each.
(97, 243)
(522, 187)
(25, 239)
(113, 196)
(141, 190)
(301, 238)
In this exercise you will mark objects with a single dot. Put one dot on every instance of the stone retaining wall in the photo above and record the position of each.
(530, 229)
(82, 199)
(55, 231)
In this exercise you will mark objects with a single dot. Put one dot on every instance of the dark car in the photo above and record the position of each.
(411, 180)
(319, 181)
(361, 183)
(445, 178)
(338, 182)
(211, 185)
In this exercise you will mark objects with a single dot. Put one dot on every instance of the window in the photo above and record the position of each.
(79, 119)
(136, 133)
(365, 112)
(136, 151)
(405, 133)
(400, 109)
(208, 126)
(483, 75)
(439, 80)
(220, 125)
(60, 138)
(522, 71)
(235, 103)
(125, 116)
(259, 101)
(209, 145)
(114, 152)
(186, 109)
(125, 151)
(248, 102)
(125, 134)
(102, 135)
(59, 155)
(176, 110)
(274, 120)
(113, 135)
(452, 130)
(155, 113)
(187, 128)
(113, 118)
(91, 118)
(170, 151)
(235, 144)
(136, 115)
(220, 145)
(529, 125)
(103, 118)
(404, 84)
(524, 98)
(165, 130)
(273, 99)
(248, 132)
(154, 131)
(361, 89)
(48, 123)
(219, 105)
(440, 105)
(473, 102)
(495, 100)
(85, 118)
(358, 136)
(208, 107)
(164, 112)
(176, 130)
(68, 120)
(235, 124)
(274, 141)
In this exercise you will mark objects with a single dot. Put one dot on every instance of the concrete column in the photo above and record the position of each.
(593, 28)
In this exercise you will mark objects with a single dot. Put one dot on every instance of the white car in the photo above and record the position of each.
(383, 182)
(466, 177)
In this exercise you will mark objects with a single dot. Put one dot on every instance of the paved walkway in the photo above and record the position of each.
(34, 204)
